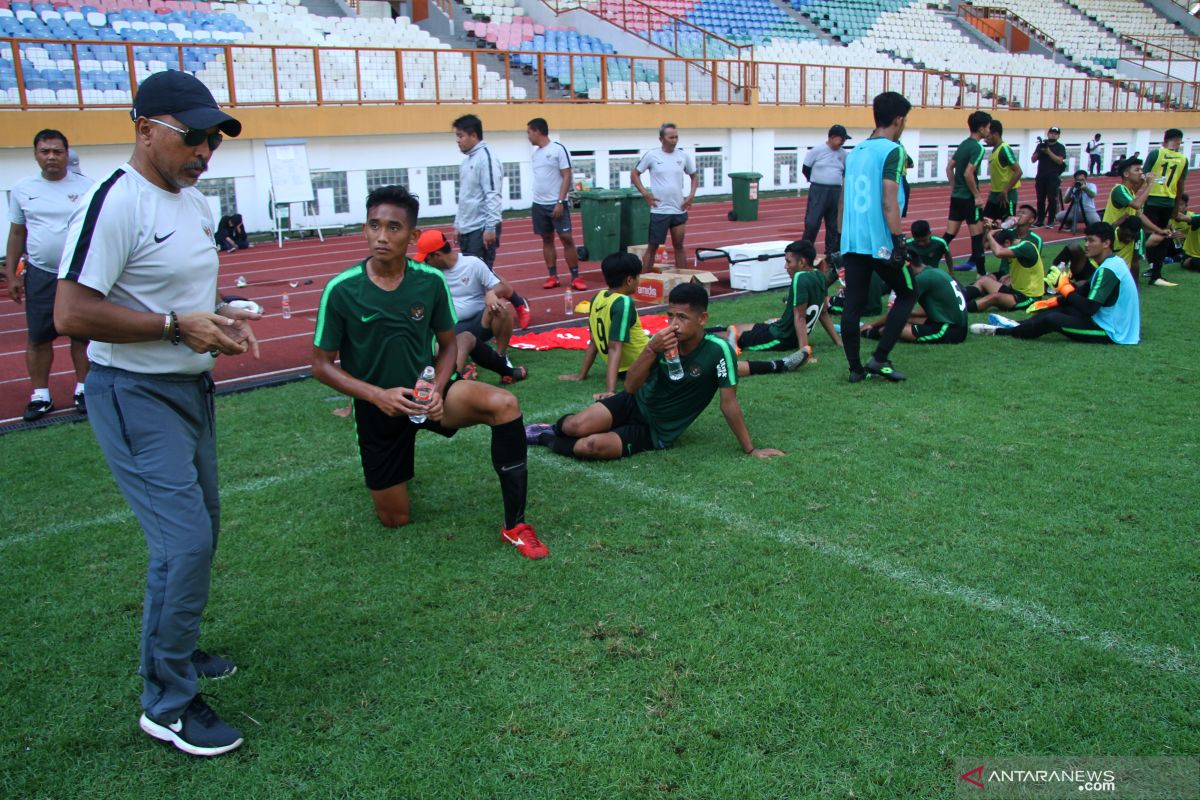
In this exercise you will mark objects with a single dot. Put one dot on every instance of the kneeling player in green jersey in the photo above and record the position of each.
(381, 317)
(929, 248)
(655, 409)
(616, 330)
(940, 316)
(804, 306)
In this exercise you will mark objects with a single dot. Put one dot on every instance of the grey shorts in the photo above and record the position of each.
(40, 287)
(544, 222)
(661, 223)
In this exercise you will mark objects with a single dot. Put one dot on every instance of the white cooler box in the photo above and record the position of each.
(747, 271)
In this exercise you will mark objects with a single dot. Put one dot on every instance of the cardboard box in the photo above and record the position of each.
(655, 287)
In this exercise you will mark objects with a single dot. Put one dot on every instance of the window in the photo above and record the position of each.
(787, 167)
(715, 162)
(341, 194)
(512, 172)
(386, 177)
(438, 176)
(583, 169)
(927, 164)
(222, 189)
(621, 164)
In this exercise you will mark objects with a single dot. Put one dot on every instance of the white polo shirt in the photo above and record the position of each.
(147, 249)
(548, 164)
(667, 171)
(44, 207)
(469, 280)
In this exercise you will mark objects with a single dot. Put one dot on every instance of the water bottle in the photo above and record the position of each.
(287, 307)
(674, 365)
(422, 392)
(569, 302)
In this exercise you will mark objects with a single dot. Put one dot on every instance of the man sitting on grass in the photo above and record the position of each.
(931, 249)
(479, 303)
(1020, 261)
(654, 410)
(616, 329)
(940, 316)
(1103, 309)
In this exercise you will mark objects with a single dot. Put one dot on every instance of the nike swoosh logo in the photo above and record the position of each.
(160, 239)
(511, 467)
(518, 541)
(371, 317)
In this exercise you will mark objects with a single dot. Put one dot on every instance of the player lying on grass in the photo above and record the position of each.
(1103, 309)
(480, 304)
(804, 306)
(1020, 280)
(654, 410)
(940, 316)
(381, 317)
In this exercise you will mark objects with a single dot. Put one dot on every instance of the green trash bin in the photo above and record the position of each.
(745, 196)
(635, 218)
(600, 215)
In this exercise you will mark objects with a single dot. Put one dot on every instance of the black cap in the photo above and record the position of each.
(839, 130)
(1054, 129)
(1127, 163)
(183, 97)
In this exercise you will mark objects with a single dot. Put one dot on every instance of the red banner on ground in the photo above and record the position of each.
(576, 338)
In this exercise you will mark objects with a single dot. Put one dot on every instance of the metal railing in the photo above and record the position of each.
(972, 13)
(289, 75)
(1177, 57)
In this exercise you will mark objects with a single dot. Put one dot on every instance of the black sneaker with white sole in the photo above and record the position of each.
(37, 409)
(212, 667)
(81, 403)
(198, 731)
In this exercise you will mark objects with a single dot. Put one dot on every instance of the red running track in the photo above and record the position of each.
(301, 268)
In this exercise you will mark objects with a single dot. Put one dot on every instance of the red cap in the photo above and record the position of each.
(430, 242)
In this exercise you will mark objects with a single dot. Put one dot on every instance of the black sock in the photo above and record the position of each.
(972, 306)
(558, 425)
(977, 256)
(948, 238)
(574, 272)
(517, 300)
(509, 460)
(552, 271)
(563, 445)
(872, 333)
(489, 359)
(765, 367)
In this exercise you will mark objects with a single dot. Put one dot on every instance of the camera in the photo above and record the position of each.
(1078, 184)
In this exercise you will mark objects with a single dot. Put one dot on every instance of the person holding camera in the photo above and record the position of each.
(1081, 203)
(1051, 159)
(1094, 147)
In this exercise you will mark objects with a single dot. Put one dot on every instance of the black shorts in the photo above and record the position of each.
(474, 325)
(544, 222)
(1023, 300)
(630, 425)
(938, 333)
(40, 287)
(661, 223)
(760, 338)
(963, 209)
(1000, 207)
(385, 444)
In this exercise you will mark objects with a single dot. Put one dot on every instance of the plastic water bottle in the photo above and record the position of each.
(422, 392)
(569, 302)
(286, 304)
(674, 365)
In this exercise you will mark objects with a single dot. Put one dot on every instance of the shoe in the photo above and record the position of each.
(983, 329)
(578, 285)
(470, 373)
(551, 283)
(524, 538)
(534, 433)
(857, 375)
(966, 266)
(1148, 274)
(884, 370)
(1162, 282)
(1002, 322)
(524, 316)
(731, 336)
(81, 404)
(796, 360)
(37, 409)
(198, 731)
(518, 374)
(212, 667)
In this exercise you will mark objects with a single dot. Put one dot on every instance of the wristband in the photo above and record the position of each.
(221, 305)
(176, 336)
(166, 334)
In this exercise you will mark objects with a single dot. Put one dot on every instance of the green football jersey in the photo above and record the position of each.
(941, 298)
(931, 254)
(807, 292)
(671, 406)
(969, 152)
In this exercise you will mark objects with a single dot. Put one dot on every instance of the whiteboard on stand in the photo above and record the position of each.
(287, 160)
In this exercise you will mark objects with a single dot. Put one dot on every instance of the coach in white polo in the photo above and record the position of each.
(667, 166)
(824, 167)
(551, 212)
(139, 278)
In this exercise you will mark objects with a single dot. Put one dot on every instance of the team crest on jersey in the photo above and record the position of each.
(694, 371)
(417, 312)
(207, 231)
(73, 197)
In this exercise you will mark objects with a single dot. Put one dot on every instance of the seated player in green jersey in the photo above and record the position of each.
(654, 410)
(929, 248)
(381, 317)
(804, 306)
(1103, 309)
(876, 291)
(940, 316)
(616, 329)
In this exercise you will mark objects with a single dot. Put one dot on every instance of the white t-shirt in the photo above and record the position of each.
(828, 165)
(147, 249)
(548, 164)
(44, 207)
(469, 280)
(667, 172)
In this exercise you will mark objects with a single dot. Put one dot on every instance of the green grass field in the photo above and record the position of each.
(998, 557)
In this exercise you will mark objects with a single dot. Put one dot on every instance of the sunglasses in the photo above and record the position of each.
(192, 137)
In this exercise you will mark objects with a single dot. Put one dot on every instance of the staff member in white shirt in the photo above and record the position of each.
(824, 168)
(668, 207)
(551, 212)
(139, 278)
(38, 210)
